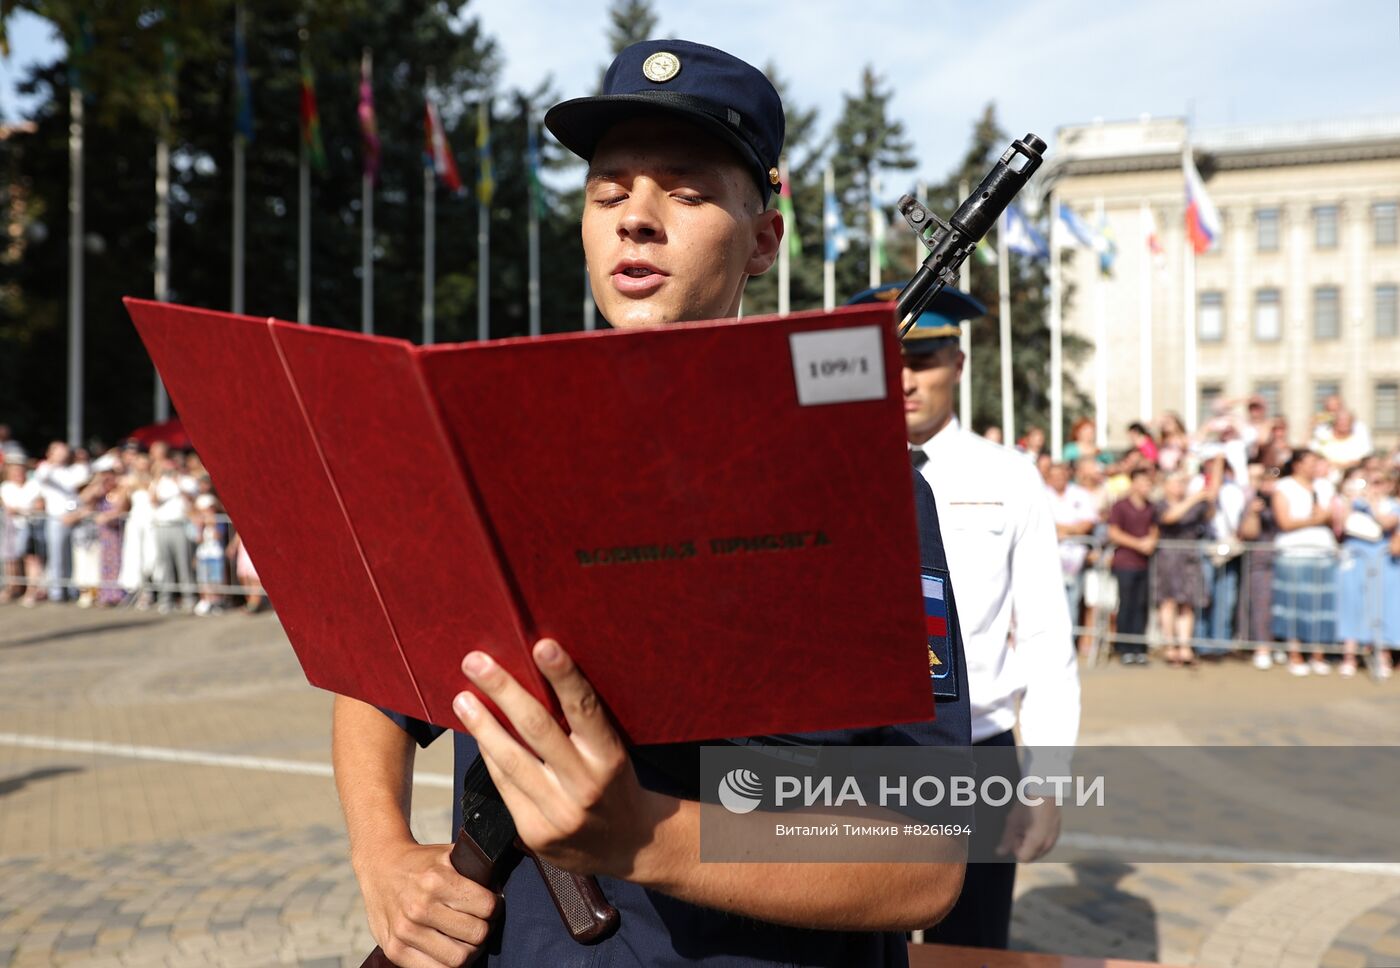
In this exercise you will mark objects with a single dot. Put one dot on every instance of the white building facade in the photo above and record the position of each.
(1297, 300)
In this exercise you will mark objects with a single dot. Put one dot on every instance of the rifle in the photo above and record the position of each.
(951, 242)
(487, 844)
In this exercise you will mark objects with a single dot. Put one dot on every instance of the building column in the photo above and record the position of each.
(1295, 321)
(1356, 308)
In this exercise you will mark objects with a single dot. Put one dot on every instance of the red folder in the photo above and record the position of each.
(715, 519)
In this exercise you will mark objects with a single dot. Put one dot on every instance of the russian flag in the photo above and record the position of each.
(1202, 217)
(935, 607)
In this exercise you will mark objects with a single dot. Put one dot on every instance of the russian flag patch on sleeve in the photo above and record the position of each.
(940, 653)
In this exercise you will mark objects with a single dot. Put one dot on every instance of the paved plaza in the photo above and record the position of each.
(166, 799)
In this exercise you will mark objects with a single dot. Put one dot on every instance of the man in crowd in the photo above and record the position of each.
(683, 150)
(60, 477)
(1132, 527)
(1076, 514)
(1002, 548)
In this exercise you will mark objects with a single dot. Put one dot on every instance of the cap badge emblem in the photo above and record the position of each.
(661, 66)
(774, 178)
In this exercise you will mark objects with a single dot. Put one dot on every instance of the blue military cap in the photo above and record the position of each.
(717, 91)
(941, 321)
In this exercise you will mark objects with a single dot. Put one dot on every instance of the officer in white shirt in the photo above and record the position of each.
(1000, 537)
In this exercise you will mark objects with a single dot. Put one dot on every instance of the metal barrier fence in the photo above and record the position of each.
(1233, 585)
(143, 567)
(1347, 589)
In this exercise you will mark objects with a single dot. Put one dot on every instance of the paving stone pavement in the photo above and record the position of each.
(164, 800)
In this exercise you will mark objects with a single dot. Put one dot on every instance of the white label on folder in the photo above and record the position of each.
(838, 365)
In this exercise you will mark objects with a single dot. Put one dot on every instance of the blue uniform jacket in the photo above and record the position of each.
(658, 931)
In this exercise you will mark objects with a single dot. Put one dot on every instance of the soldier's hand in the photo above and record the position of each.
(1030, 831)
(574, 796)
(421, 911)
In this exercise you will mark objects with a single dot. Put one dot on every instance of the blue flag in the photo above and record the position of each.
(1021, 236)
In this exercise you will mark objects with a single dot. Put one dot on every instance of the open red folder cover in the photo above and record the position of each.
(716, 520)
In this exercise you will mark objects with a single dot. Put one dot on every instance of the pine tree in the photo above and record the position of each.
(867, 141)
(408, 36)
(630, 21)
(803, 147)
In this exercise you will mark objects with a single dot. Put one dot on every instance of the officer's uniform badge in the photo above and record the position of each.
(940, 654)
(661, 66)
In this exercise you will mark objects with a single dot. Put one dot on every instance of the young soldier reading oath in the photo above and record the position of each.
(683, 150)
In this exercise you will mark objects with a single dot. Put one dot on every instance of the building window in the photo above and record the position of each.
(1211, 394)
(1266, 228)
(1383, 216)
(1327, 322)
(1268, 391)
(1323, 389)
(1387, 324)
(1325, 226)
(1268, 327)
(1210, 317)
(1387, 406)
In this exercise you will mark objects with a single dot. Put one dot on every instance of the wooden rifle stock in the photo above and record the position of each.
(482, 851)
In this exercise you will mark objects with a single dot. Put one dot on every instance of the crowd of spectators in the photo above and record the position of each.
(1232, 540)
(1226, 540)
(126, 526)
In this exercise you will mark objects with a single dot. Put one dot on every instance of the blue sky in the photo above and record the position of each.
(1045, 63)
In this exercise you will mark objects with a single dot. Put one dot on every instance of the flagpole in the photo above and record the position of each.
(785, 248)
(429, 252)
(590, 308)
(240, 191)
(366, 228)
(1100, 348)
(534, 228)
(784, 278)
(875, 234)
(483, 248)
(1057, 360)
(1008, 418)
(75, 266)
(1188, 369)
(367, 254)
(162, 281)
(1145, 316)
(964, 331)
(304, 235)
(828, 263)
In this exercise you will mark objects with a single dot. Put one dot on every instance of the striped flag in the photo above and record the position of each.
(1079, 231)
(789, 213)
(310, 116)
(1021, 236)
(1202, 219)
(1153, 240)
(1107, 247)
(485, 179)
(437, 153)
(369, 125)
(532, 166)
(242, 90)
(836, 238)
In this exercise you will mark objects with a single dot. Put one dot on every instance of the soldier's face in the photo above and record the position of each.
(929, 382)
(672, 225)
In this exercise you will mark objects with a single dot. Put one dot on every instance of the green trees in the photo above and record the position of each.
(124, 72)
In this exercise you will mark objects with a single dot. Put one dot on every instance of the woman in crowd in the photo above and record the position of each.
(1083, 443)
(1305, 571)
(1367, 515)
(1258, 528)
(23, 540)
(1180, 581)
(1174, 443)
